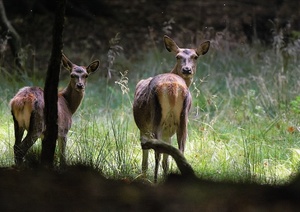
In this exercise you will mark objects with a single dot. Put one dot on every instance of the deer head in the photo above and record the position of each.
(186, 64)
(79, 74)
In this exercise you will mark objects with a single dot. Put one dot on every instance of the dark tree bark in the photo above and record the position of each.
(14, 41)
(50, 90)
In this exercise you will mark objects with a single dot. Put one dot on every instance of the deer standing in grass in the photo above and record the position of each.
(27, 108)
(161, 103)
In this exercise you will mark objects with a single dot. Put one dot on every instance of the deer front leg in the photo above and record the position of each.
(62, 141)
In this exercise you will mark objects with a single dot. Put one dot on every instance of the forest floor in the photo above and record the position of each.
(80, 189)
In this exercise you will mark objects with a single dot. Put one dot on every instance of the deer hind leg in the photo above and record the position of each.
(181, 135)
(165, 162)
(145, 162)
(157, 160)
(158, 155)
(62, 142)
(19, 132)
(182, 129)
(145, 155)
(21, 148)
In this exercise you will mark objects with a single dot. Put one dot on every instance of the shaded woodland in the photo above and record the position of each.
(89, 25)
(141, 24)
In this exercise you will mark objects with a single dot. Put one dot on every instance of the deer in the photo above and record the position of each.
(162, 103)
(27, 108)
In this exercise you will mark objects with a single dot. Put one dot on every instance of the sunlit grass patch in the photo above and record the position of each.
(243, 124)
(105, 142)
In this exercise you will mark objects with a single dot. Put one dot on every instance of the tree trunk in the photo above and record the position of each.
(51, 84)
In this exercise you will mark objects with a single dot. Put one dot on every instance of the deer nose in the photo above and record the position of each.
(186, 70)
(80, 85)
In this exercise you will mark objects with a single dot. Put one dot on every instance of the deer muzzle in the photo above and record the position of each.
(80, 86)
(186, 71)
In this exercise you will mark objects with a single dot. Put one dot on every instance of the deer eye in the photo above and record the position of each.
(73, 75)
(178, 57)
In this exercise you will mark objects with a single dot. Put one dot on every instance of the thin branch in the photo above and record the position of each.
(15, 40)
(162, 147)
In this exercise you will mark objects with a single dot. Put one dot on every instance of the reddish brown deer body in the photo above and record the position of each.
(161, 103)
(27, 108)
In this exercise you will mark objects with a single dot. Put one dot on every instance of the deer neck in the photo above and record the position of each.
(188, 81)
(72, 97)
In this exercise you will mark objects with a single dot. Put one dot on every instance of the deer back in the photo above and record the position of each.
(26, 101)
(159, 102)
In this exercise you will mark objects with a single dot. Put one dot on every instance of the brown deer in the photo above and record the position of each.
(161, 103)
(27, 108)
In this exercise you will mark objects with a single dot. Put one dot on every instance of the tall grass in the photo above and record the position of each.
(243, 125)
(247, 128)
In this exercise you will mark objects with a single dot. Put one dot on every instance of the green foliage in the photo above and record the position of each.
(243, 124)
(295, 104)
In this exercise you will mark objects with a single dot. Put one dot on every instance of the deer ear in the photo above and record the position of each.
(93, 66)
(66, 62)
(203, 48)
(170, 45)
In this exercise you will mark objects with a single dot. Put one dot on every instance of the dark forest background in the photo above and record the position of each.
(141, 24)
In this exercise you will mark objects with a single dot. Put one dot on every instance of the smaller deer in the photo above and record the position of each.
(27, 108)
(161, 103)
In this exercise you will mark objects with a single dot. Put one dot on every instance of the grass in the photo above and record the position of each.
(243, 125)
